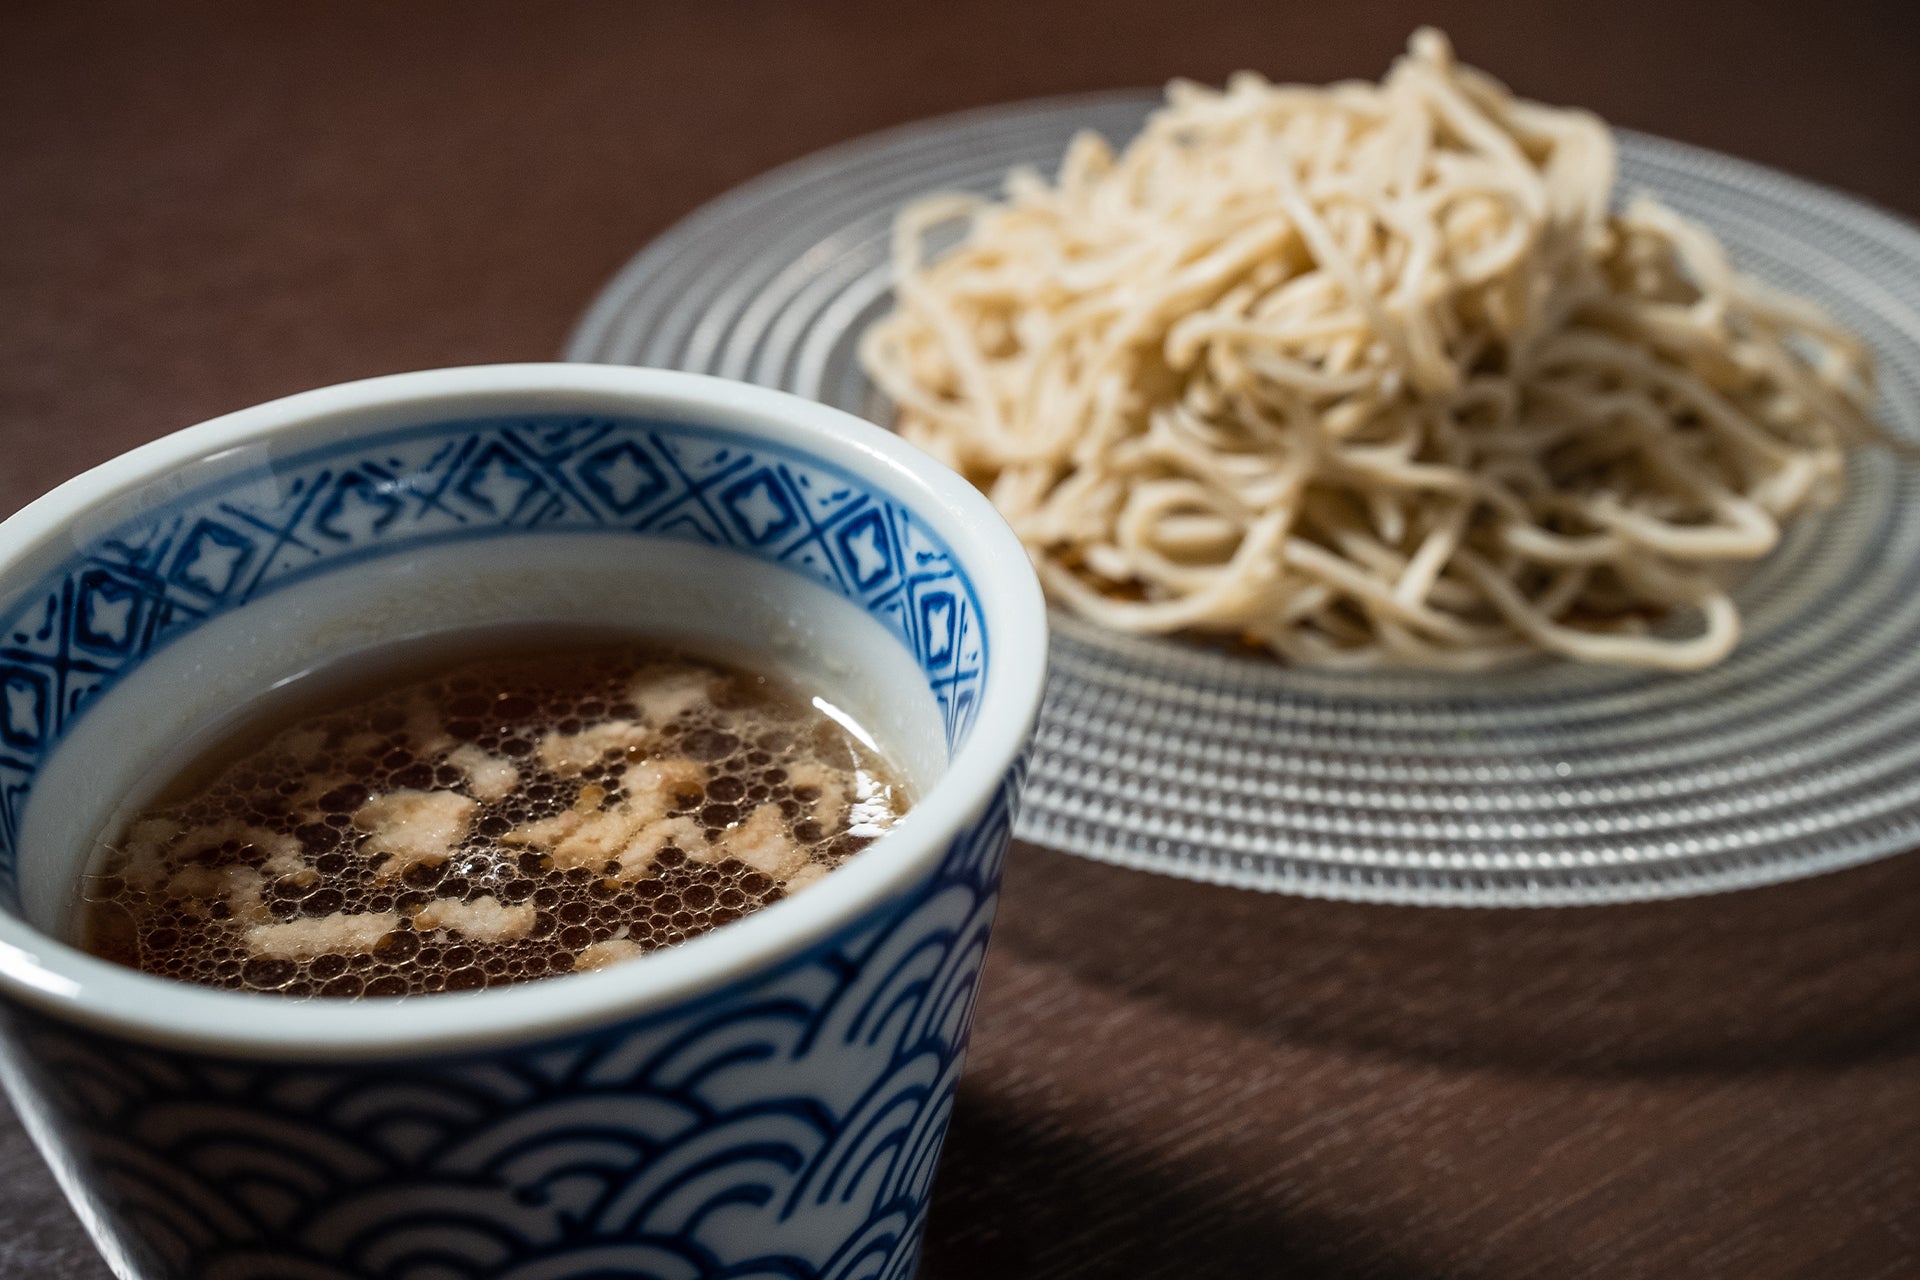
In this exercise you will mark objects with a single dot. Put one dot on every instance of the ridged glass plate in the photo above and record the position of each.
(1549, 783)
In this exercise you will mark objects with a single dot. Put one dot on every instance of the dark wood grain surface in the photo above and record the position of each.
(204, 207)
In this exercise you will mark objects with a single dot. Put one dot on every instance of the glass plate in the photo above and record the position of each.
(1549, 783)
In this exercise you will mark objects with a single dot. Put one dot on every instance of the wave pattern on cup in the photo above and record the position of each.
(687, 1143)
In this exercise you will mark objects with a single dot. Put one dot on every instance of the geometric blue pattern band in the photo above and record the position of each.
(136, 587)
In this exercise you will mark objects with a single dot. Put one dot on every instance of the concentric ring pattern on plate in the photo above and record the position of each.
(1552, 783)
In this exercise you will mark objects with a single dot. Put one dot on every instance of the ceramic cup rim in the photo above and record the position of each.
(53, 977)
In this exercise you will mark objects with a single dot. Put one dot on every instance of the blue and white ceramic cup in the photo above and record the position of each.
(767, 1100)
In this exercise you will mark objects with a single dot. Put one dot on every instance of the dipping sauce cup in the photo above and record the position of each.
(765, 1100)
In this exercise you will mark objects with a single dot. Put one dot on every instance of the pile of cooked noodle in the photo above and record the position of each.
(1368, 374)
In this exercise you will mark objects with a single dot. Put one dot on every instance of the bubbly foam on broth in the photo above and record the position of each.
(510, 818)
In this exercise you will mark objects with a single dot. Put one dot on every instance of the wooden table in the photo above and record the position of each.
(201, 208)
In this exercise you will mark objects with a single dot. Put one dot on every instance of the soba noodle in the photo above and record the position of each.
(1368, 374)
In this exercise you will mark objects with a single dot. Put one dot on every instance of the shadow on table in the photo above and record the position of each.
(1012, 1201)
(1821, 971)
